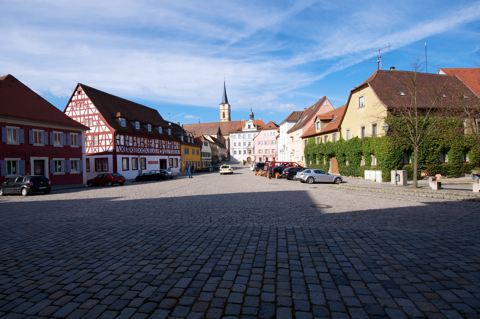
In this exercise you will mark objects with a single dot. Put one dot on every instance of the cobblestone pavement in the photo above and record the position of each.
(237, 246)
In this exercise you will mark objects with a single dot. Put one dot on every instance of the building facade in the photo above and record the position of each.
(284, 138)
(242, 147)
(37, 138)
(265, 143)
(124, 137)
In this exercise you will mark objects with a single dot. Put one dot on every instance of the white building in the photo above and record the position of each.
(242, 144)
(284, 138)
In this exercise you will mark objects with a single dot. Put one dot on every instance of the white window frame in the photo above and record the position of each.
(95, 140)
(122, 140)
(347, 134)
(17, 135)
(361, 101)
(42, 137)
(17, 167)
(59, 134)
(62, 166)
(46, 165)
(371, 127)
(77, 160)
(76, 139)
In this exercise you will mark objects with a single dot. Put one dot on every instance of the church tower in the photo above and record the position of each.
(224, 106)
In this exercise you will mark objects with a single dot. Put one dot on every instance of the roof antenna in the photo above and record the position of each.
(379, 60)
(426, 65)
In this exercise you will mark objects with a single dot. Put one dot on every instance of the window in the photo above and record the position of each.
(130, 141)
(465, 157)
(362, 131)
(74, 139)
(443, 157)
(325, 139)
(95, 140)
(134, 163)
(234, 152)
(170, 162)
(37, 137)
(318, 140)
(101, 164)
(405, 158)
(143, 163)
(259, 159)
(361, 101)
(149, 127)
(249, 135)
(137, 125)
(187, 151)
(259, 142)
(273, 142)
(125, 163)
(87, 164)
(13, 167)
(305, 141)
(362, 163)
(244, 151)
(266, 142)
(234, 143)
(334, 137)
(273, 151)
(374, 160)
(58, 166)
(169, 132)
(57, 139)
(244, 143)
(138, 141)
(266, 151)
(206, 143)
(75, 166)
(122, 122)
(259, 151)
(348, 134)
(122, 140)
(176, 162)
(159, 130)
(318, 125)
(374, 130)
(198, 151)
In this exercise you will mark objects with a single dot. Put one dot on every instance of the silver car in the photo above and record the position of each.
(317, 175)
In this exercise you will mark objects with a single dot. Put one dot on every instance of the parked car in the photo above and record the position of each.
(25, 185)
(290, 172)
(171, 174)
(252, 167)
(106, 179)
(317, 175)
(152, 175)
(226, 169)
(278, 169)
(258, 166)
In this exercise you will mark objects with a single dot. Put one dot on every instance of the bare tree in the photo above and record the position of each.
(419, 111)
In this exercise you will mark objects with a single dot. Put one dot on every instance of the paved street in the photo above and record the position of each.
(237, 246)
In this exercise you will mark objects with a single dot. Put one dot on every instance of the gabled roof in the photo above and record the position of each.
(212, 128)
(180, 131)
(17, 101)
(270, 126)
(311, 111)
(239, 128)
(217, 141)
(112, 107)
(293, 117)
(469, 76)
(335, 117)
(389, 86)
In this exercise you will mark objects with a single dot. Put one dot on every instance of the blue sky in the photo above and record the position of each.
(278, 56)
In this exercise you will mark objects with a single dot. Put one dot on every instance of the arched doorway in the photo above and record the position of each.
(249, 159)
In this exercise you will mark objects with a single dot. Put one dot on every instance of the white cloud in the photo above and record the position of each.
(192, 117)
(287, 107)
(60, 92)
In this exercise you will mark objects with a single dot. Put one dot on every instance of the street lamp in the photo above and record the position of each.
(386, 127)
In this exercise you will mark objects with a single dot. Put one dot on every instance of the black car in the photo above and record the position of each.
(258, 166)
(26, 184)
(290, 172)
(278, 169)
(152, 175)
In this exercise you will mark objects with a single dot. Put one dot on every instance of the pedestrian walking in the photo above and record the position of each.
(190, 169)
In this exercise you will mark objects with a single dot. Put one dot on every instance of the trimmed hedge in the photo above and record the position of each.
(389, 156)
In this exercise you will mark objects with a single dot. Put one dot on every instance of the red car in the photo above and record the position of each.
(106, 179)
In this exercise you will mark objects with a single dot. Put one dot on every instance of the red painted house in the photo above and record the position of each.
(37, 138)
(124, 137)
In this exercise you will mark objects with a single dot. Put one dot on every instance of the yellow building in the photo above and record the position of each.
(191, 155)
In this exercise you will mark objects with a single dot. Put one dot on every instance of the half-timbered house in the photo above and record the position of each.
(125, 137)
(37, 138)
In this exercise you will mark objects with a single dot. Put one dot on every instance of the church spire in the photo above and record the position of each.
(251, 112)
(224, 98)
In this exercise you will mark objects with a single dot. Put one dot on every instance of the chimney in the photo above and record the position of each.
(392, 68)
(178, 123)
(304, 109)
(274, 122)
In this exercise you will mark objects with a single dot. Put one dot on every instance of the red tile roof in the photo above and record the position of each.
(239, 128)
(469, 76)
(212, 128)
(293, 117)
(110, 106)
(20, 102)
(335, 117)
(307, 115)
(270, 126)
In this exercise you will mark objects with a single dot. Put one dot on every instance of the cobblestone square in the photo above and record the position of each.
(238, 246)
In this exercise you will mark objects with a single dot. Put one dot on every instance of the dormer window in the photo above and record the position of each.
(122, 122)
(318, 125)
(137, 125)
(149, 127)
(160, 130)
(169, 132)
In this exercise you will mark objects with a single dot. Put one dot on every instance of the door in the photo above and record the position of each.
(320, 176)
(17, 186)
(39, 167)
(334, 166)
(163, 164)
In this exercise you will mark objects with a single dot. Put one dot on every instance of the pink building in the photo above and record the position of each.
(265, 143)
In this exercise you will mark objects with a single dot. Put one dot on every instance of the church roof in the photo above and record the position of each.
(224, 97)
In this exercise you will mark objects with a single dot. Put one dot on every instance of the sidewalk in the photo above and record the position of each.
(448, 191)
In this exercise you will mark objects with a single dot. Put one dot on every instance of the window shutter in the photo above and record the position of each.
(80, 166)
(3, 168)
(51, 138)
(67, 166)
(4, 135)
(68, 140)
(62, 166)
(30, 136)
(64, 139)
(52, 165)
(45, 138)
(22, 136)
(22, 167)
(79, 140)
